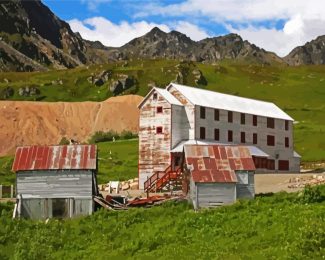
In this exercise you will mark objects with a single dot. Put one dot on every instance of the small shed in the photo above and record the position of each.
(218, 175)
(55, 181)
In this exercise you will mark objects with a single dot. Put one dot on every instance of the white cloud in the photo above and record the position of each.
(115, 35)
(93, 4)
(305, 20)
(191, 30)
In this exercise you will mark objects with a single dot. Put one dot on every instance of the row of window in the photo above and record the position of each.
(270, 138)
(270, 121)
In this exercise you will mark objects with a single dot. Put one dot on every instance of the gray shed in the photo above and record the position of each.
(218, 175)
(55, 181)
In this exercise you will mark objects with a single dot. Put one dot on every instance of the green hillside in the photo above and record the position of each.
(267, 227)
(300, 91)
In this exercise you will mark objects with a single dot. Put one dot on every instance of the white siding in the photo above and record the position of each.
(245, 187)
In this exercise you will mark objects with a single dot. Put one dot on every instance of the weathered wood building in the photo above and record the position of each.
(55, 181)
(179, 115)
(218, 175)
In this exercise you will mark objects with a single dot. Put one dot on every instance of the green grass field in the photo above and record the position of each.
(280, 226)
(299, 91)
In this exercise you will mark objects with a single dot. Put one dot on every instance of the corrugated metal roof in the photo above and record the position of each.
(55, 157)
(217, 163)
(169, 97)
(213, 99)
(254, 151)
(165, 94)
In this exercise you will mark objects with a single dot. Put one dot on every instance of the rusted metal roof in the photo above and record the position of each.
(216, 163)
(55, 157)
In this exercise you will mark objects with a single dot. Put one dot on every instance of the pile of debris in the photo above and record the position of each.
(117, 186)
(301, 182)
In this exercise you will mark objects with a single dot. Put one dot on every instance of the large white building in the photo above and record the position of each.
(179, 115)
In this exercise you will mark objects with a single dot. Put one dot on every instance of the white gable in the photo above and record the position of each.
(165, 94)
(217, 100)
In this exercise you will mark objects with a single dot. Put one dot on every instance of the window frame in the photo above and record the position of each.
(217, 134)
(243, 137)
(155, 96)
(202, 132)
(242, 118)
(230, 136)
(216, 115)
(270, 122)
(230, 117)
(255, 136)
(270, 140)
(286, 142)
(159, 131)
(202, 112)
(286, 125)
(254, 120)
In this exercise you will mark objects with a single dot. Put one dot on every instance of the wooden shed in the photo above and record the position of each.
(55, 181)
(218, 175)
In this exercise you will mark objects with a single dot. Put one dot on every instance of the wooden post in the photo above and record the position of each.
(11, 191)
(0, 191)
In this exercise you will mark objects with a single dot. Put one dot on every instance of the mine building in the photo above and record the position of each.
(178, 116)
(55, 181)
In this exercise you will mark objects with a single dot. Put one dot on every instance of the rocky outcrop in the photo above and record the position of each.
(123, 83)
(311, 53)
(28, 91)
(7, 93)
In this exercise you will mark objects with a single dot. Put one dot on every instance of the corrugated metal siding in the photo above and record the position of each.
(245, 188)
(215, 194)
(55, 157)
(55, 184)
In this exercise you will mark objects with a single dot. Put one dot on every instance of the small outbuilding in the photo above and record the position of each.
(217, 175)
(55, 181)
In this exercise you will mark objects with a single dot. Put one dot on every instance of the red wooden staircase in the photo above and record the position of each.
(164, 179)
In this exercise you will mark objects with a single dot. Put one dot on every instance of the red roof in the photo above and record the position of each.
(217, 163)
(57, 157)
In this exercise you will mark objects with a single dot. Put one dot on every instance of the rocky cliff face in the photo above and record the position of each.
(30, 28)
(311, 53)
(175, 45)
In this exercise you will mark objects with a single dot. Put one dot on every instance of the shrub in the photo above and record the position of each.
(311, 194)
(101, 136)
(64, 141)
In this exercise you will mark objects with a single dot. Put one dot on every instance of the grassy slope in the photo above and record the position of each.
(300, 91)
(265, 228)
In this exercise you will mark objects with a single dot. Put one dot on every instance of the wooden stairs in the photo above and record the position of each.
(168, 179)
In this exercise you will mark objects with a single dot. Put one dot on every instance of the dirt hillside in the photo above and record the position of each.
(27, 123)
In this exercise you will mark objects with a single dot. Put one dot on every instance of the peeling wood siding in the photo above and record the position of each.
(245, 187)
(285, 153)
(214, 194)
(55, 184)
(154, 149)
(189, 109)
(180, 125)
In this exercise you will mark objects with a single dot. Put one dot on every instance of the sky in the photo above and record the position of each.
(274, 25)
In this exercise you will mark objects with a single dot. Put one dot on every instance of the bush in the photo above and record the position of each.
(64, 141)
(101, 136)
(311, 194)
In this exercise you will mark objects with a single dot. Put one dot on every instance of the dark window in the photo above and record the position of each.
(254, 120)
(242, 137)
(255, 138)
(202, 112)
(229, 136)
(283, 165)
(287, 142)
(270, 122)
(242, 119)
(159, 109)
(286, 125)
(155, 96)
(270, 140)
(216, 114)
(159, 130)
(270, 164)
(229, 116)
(202, 132)
(216, 134)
